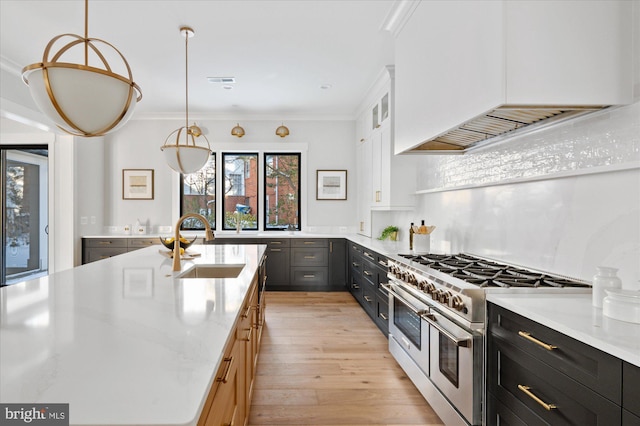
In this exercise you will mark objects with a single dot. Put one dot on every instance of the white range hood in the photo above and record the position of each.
(470, 72)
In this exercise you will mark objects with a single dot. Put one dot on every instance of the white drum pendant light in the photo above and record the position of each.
(186, 157)
(82, 99)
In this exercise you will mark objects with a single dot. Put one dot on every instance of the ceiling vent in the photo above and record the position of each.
(221, 80)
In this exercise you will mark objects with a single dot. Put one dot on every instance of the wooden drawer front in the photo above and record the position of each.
(310, 242)
(589, 366)
(309, 257)
(500, 414)
(382, 313)
(105, 242)
(631, 388)
(143, 242)
(277, 265)
(104, 253)
(370, 273)
(630, 419)
(276, 242)
(574, 403)
(309, 276)
(369, 299)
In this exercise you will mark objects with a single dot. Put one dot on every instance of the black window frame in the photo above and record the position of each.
(184, 226)
(298, 224)
(223, 197)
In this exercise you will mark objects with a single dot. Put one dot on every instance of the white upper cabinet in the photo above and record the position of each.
(459, 60)
(385, 181)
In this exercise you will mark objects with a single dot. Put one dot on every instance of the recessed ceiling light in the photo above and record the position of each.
(221, 80)
(326, 86)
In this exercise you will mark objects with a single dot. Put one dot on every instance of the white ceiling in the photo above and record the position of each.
(279, 51)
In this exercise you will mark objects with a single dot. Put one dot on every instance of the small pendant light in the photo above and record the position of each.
(282, 131)
(237, 131)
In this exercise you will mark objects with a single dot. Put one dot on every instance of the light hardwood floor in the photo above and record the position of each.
(324, 362)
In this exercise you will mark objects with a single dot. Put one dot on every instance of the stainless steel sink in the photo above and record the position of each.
(212, 271)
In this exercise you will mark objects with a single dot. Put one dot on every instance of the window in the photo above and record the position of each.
(198, 195)
(282, 191)
(240, 201)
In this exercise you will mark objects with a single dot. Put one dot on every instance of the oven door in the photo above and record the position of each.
(456, 364)
(407, 327)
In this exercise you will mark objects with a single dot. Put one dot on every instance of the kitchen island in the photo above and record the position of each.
(124, 341)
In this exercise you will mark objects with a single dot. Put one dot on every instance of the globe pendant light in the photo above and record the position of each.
(237, 131)
(282, 131)
(187, 157)
(82, 99)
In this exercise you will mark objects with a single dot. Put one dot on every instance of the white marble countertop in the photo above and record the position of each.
(573, 315)
(122, 340)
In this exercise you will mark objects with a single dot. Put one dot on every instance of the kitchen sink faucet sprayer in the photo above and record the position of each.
(176, 243)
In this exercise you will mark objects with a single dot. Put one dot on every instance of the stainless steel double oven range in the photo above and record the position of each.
(437, 321)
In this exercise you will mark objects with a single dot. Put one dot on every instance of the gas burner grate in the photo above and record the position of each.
(486, 273)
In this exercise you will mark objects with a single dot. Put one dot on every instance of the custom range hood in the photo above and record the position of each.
(502, 121)
(462, 84)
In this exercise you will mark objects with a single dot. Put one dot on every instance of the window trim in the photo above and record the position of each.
(215, 197)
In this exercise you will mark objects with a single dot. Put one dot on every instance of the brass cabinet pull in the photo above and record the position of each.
(367, 273)
(530, 338)
(225, 376)
(104, 242)
(369, 255)
(368, 299)
(527, 391)
(383, 316)
(309, 242)
(309, 276)
(355, 286)
(383, 263)
(355, 264)
(246, 312)
(330, 246)
(275, 249)
(275, 242)
(248, 337)
(378, 196)
(309, 257)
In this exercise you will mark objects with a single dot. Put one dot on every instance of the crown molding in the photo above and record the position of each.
(398, 15)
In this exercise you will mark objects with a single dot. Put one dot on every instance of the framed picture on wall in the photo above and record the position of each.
(331, 185)
(137, 184)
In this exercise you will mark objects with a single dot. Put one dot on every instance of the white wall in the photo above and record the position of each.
(137, 146)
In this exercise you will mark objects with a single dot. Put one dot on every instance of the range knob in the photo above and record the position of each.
(430, 288)
(411, 278)
(456, 303)
(423, 284)
(445, 296)
(435, 295)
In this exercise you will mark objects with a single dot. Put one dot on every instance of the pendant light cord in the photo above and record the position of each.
(186, 80)
(86, 33)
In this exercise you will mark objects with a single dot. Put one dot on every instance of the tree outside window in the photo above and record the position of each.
(240, 202)
(199, 195)
(282, 191)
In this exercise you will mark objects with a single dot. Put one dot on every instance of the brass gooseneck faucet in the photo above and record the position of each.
(176, 243)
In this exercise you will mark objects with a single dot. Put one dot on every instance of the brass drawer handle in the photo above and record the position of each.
(275, 242)
(355, 286)
(355, 264)
(104, 242)
(309, 242)
(246, 312)
(225, 376)
(384, 317)
(368, 299)
(526, 390)
(275, 249)
(309, 257)
(378, 196)
(309, 276)
(530, 338)
(248, 337)
(367, 273)
(369, 255)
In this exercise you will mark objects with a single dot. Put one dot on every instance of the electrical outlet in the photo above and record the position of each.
(83, 220)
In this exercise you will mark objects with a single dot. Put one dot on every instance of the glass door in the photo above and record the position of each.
(25, 225)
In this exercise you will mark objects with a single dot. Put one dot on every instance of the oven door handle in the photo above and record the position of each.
(432, 320)
(403, 300)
